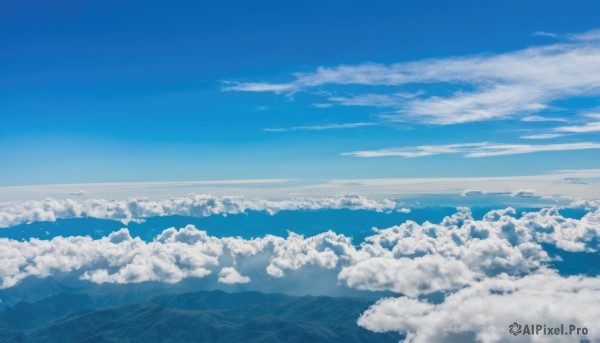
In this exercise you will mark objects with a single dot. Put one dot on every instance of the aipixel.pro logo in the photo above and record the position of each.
(516, 329)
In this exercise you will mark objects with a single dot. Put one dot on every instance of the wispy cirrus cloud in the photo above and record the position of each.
(518, 84)
(376, 100)
(545, 34)
(320, 127)
(585, 128)
(536, 119)
(257, 87)
(481, 149)
(542, 136)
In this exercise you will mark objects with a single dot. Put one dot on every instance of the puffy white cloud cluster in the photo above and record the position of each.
(414, 259)
(132, 209)
(170, 257)
(493, 271)
(411, 259)
(548, 226)
(589, 205)
(230, 275)
(483, 311)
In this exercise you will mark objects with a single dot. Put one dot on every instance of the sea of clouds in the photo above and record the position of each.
(194, 205)
(491, 271)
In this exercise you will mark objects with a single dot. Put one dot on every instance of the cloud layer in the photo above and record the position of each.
(495, 267)
(133, 209)
(411, 259)
(567, 183)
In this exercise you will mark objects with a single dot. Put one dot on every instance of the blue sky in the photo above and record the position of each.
(143, 91)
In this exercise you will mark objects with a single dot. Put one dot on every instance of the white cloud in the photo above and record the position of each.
(376, 100)
(411, 259)
(171, 257)
(542, 136)
(593, 114)
(492, 86)
(483, 311)
(410, 276)
(589, 127)
(542, 119)
(323, 105)
(523, 193)
(514, 149)
(588, 205)
(481, 149)
(545, 34)
(417, 151)
(321, 127)
(229, 275)
(258, 87)
(417, 259)
(132, 209)
(593, 35)
(583, 183)
(471, 192)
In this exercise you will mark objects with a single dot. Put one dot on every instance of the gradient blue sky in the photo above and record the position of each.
(106, 91)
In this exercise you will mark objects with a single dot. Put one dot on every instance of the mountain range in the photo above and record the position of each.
(207, 316)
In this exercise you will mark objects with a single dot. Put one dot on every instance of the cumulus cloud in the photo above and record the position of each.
(410, 276)
(569, 234)
(132, 209)
(491, 272)
(418, 259)
(483, 311)
(588, 205)
(170, 257)
(492, 86)
(494, 267)
(480, 149)
(410, 259)
(229, 275)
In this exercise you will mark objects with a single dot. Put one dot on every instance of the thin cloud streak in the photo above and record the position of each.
(481, 149)
(320, 127)
(542, 136)
(536, 119)
(589, 127)
(545, 34)
(257, 87)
